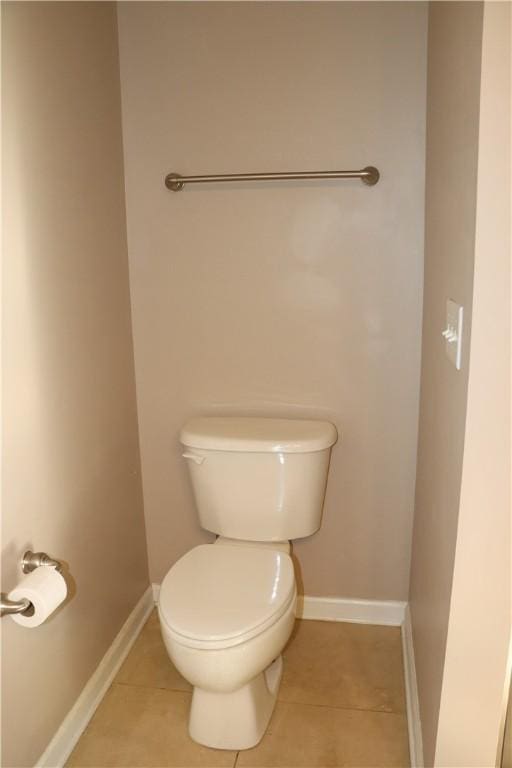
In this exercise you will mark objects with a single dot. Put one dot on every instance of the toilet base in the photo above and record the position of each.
(235, 720)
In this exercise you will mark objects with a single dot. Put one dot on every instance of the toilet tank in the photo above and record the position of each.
(258, 479)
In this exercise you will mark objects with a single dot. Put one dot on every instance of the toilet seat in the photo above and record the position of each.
(218, 597)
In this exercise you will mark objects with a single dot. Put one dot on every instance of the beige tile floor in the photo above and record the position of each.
(341, 703)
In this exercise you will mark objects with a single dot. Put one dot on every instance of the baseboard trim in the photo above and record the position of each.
(411, 694)
(62, 744)
(386, 612)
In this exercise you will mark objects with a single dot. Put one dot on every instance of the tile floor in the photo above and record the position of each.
(341, 703)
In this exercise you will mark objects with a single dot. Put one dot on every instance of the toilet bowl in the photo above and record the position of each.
(227, 609)
(226, 613)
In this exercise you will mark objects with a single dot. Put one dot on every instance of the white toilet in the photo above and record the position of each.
(227, 609)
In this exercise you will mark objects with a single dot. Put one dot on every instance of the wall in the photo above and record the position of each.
(293, 299)
(453, 98)
(71, 475)
(506, 757)
(473, 704)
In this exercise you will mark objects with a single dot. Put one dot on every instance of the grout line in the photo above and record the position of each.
(345, 709)
(152, 687)
(282, 701)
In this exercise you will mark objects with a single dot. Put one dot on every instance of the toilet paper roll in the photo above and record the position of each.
(45, 588)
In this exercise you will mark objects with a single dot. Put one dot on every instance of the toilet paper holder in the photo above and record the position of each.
(30, 561)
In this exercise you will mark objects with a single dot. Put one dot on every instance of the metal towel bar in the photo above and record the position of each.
(368, 175)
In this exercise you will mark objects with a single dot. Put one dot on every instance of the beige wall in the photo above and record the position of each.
(475, 686)
(71, 464)
(454, 75)
(290, 299)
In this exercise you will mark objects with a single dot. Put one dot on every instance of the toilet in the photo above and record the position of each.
(227, 609)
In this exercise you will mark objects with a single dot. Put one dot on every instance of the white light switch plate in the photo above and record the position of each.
(453, 332)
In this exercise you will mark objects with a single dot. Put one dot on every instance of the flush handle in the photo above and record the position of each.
(193, 457)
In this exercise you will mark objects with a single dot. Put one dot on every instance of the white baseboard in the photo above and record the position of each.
(62, 744)
(411, 694)
(387, 612)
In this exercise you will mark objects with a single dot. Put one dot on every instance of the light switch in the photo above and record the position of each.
(453, 332)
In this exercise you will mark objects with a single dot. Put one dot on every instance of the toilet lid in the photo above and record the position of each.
(222, 595)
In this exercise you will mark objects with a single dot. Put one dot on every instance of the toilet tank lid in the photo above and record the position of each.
(258, 435)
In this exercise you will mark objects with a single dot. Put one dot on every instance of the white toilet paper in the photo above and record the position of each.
(45, 588)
